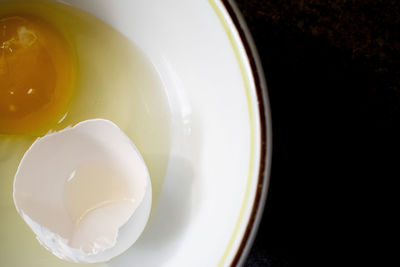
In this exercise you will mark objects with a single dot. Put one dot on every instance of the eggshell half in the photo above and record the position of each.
(40, 182)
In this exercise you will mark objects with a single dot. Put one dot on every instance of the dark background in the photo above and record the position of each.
(332, 69)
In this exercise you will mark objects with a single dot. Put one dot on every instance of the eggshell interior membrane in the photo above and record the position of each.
(94, 229)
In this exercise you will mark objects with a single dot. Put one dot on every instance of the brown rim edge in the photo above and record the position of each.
(266, 132)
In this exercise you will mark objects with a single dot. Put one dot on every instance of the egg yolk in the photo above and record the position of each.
(36, 75)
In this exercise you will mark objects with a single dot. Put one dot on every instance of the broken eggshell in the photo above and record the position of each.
(108, 226)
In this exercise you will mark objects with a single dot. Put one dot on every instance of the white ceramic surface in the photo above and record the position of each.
(216, 149)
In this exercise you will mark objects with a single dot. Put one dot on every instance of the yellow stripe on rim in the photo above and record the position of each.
(252, 131)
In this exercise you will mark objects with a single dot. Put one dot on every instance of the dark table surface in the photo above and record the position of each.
(332, 69)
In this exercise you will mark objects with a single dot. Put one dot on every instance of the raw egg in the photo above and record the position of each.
(36, 74)
(84, 69)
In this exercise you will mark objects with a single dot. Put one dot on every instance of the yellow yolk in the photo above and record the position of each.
(36, 75)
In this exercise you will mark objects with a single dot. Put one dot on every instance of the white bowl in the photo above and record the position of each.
(216, 182)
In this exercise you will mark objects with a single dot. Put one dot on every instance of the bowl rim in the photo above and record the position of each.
(264, 171)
